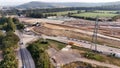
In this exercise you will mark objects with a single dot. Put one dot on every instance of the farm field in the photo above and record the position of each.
(62, 13)
(93, 15)
(105, 11)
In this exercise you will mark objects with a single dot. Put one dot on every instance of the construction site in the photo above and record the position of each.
(108, 32)
(102, 37)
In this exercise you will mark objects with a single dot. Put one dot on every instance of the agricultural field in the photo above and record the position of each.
(93, 15)
(104, 11)
(62, 13)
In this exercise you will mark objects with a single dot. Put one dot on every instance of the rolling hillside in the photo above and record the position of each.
(37, 4)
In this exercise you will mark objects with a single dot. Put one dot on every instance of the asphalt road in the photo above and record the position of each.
(27, 60)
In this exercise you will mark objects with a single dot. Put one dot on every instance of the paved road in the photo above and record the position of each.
(27, 61)
(26, 58)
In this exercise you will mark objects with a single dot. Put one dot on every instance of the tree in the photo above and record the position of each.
(116, 17)
(9, 59)
(78, 11)
(20, 26)
(69, 14)
(11, 26)
(10, 40)
(16, 20)
(1, 38)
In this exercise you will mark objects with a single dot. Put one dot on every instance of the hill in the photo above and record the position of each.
(37, 4)
(110, 7)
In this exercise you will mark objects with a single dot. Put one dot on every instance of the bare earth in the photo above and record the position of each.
(65, 57)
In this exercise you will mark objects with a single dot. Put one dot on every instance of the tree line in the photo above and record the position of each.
(39, 54)
(8, 44)
(39, 15)
(10, 24)
(47, 10)
(9, 41)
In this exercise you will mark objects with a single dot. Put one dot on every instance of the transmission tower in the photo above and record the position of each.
(94, 36)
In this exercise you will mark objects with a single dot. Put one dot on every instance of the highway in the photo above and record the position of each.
(26, 58)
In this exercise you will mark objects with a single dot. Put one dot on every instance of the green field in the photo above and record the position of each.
(62, 13)
(93, 15)
(104, 11)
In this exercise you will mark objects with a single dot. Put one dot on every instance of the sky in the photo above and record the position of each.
(18, 2)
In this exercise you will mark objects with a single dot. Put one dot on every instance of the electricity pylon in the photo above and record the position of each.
(94, 36)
